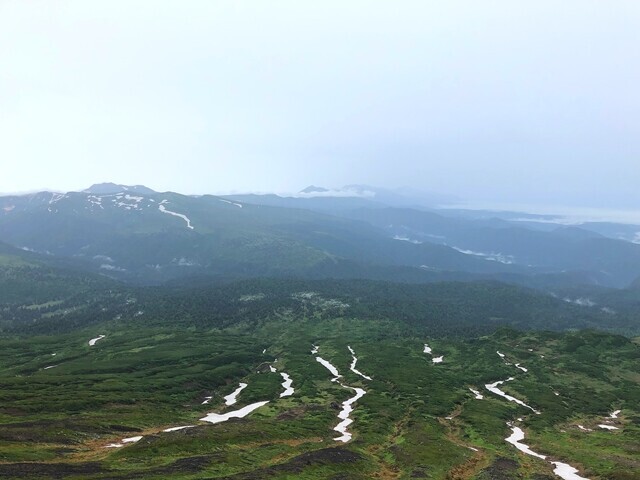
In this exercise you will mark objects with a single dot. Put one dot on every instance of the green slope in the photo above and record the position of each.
(417, 419)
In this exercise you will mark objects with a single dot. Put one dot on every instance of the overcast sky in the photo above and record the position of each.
(501, 101)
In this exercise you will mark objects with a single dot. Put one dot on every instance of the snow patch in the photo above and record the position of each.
(583, 302)
(353, 365)
(429, 351)
(113, 268)
(184, 262)
(493, 257)
(407, 239)
(243, 412)
(163, 209)
(93, 341)
(493, 388)
(326, 364)
(515, 439)
(608, 427)
(347, 407)
(124, 441)
(567, 472)
(232, 397)
(288, 390)
(175, 429)
(563, 470)
(478, 395)
(232, 203)
(132, 439)
(56, 197)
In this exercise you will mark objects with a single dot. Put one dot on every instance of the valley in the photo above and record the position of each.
(310, 346)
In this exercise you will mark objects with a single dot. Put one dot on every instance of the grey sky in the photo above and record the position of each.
(534, 101)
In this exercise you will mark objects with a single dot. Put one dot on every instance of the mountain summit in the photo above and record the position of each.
(314, 189)
(109, 188)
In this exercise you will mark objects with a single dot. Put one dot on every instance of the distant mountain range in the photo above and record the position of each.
(136, 234)
(391, 197)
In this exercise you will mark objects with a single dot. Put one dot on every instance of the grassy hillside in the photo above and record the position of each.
(418, 419)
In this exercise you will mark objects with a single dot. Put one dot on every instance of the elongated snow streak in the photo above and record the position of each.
(514, 439)
(241, 413)
(346, 405)
(232, 397)
(231, 203)
(567, 472)
(50, 366)
(345, 413)
(123, 441)
(206, 400)
(493, 388)
(615, 414)
(608, 427)
(93, 341)
(175, 429)
(330, 367)
(163, 209)
(353, 365)
(272, 369)
(563, 470)
(521, 368)
(478, 395)
(288, 390)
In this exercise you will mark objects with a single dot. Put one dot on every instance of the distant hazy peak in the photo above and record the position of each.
(314, 189)
(110, 188)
